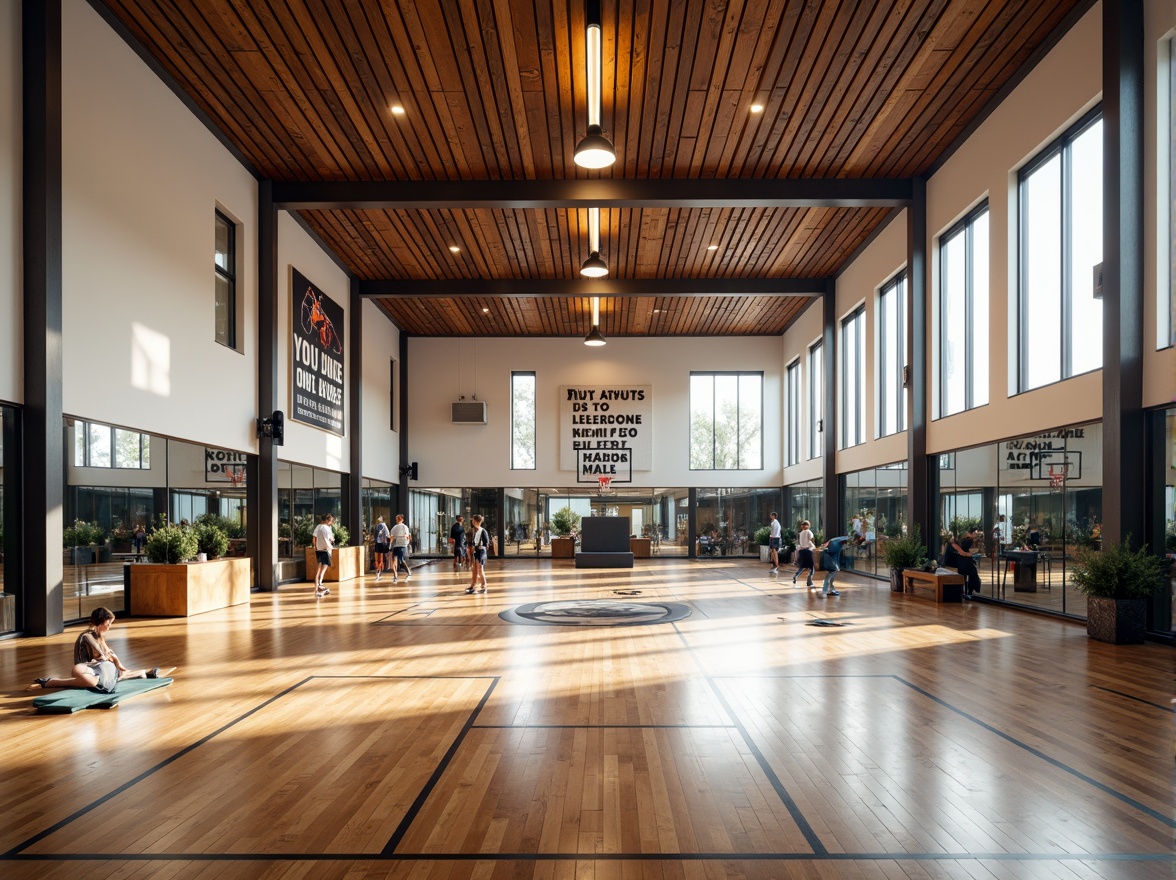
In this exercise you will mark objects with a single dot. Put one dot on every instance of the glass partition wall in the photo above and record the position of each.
(804, 501)
(304, 495)
(11, 593)
(727, 520)
(118, 479)
(874, 504)
(1034, 501)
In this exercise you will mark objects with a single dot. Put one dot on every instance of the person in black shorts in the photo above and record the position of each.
(479, 546)
(457, 542)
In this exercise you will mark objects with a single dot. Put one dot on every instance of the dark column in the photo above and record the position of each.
(402, 395)
(262, 480)
(831, 497)
(44, 443)
(918, 468)
(353, 504)
(691, 521)
(1124, 471)
(500, 518)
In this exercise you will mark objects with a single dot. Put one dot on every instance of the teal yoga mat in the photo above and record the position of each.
(63, 701)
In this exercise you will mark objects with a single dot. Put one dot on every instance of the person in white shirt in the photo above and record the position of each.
(400, 537)
(479, 545)
(774, 541)
(804, 552)
(324, 542)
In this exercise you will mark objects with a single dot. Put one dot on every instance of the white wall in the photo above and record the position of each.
(11, 219)
(141, 178)
(297, 250)
(381, 346)
(478, 455)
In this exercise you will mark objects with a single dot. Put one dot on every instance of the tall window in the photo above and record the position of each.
(816, 392)
(225, 269)
(963, 314)
(1166, 306)
(726, 421)
(891, 356)
(852, 356)
(522, 421)
(792, 420)
(1061, 243)
(101, 446)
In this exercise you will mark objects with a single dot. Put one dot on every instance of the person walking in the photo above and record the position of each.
(324, 543)
(804, 552)
(831, 562)
(774, 541)
(457, 541)
(383, 541)
(139, 542)
(400, 538)
(479, 546)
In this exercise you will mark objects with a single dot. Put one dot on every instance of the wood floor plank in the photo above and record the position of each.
(943, 732)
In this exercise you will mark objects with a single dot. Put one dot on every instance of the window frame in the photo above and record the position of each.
(792, 420)
(816, 399)
(229, 276)
(82, 428)
(896, 286)
(739, 451)
(1060, 147)
(516, 374)
(965, 226)
(854, 321)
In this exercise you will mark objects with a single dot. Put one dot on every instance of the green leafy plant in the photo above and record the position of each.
(303, 530)
(762, 534)
(82, 534)
(172, 544)
(210, 538)
(231, 527)
(342, 534)
(906, 551)
(788, 538)
(564, 521)
(1118, 572)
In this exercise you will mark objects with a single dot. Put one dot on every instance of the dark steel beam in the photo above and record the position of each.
(353, 508)
(44, 435)
(1124, 473)
(831, 499)
(614, 287)
(918, 470)
(432, 195)
(262, 487)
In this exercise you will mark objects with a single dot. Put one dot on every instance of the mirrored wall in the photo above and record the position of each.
(874, 506)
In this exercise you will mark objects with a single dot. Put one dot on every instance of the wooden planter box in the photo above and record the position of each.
(1116, 621)
(641, 548)
(346, 564)
(563, 548)
(188, 588)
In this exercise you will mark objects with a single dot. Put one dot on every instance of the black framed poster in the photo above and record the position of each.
(316, 357)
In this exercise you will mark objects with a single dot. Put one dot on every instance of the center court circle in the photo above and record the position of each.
(595, 612)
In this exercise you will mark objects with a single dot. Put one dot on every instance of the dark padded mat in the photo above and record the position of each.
(63, 701)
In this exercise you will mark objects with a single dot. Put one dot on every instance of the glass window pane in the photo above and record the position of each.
(1086, 317)
(954, 327)
(522, 421)
(726, 422)
(750, 420)
(980, 310)
(99, 436)
(1041, 275)
(223, 243)
(816, 400)
(79, 444)
(126, 448)
(222, 311)
(702, 436)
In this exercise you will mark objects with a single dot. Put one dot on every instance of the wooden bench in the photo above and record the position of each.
(929, 585)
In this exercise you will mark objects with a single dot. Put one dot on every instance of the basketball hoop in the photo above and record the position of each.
(236, 477)
(1057, 479)
(604, 485)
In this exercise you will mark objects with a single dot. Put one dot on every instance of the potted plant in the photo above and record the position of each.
(761, 536)
(906, 551)
(78, 539)
(563, 522)
(211, 539)
(788, 539)
(174, 588)
(1117, 582)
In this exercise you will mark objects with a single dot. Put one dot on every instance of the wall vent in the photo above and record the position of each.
(469, 412)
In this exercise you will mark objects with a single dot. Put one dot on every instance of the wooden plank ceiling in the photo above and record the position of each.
(495, 90)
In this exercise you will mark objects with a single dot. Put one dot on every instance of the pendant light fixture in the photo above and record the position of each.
(594, 336)
(594, 266)
(595, 150)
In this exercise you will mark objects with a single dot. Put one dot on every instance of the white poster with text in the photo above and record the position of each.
(606, 431)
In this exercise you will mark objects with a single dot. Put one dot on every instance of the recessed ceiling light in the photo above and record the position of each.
(757, 108)
(712, 247)
(397, 110)
(657, 311)
(454, 249)
(485, 311)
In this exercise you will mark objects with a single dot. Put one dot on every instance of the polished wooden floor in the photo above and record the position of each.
(407, 730)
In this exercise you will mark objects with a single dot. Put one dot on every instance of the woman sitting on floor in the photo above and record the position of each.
(95, 665)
